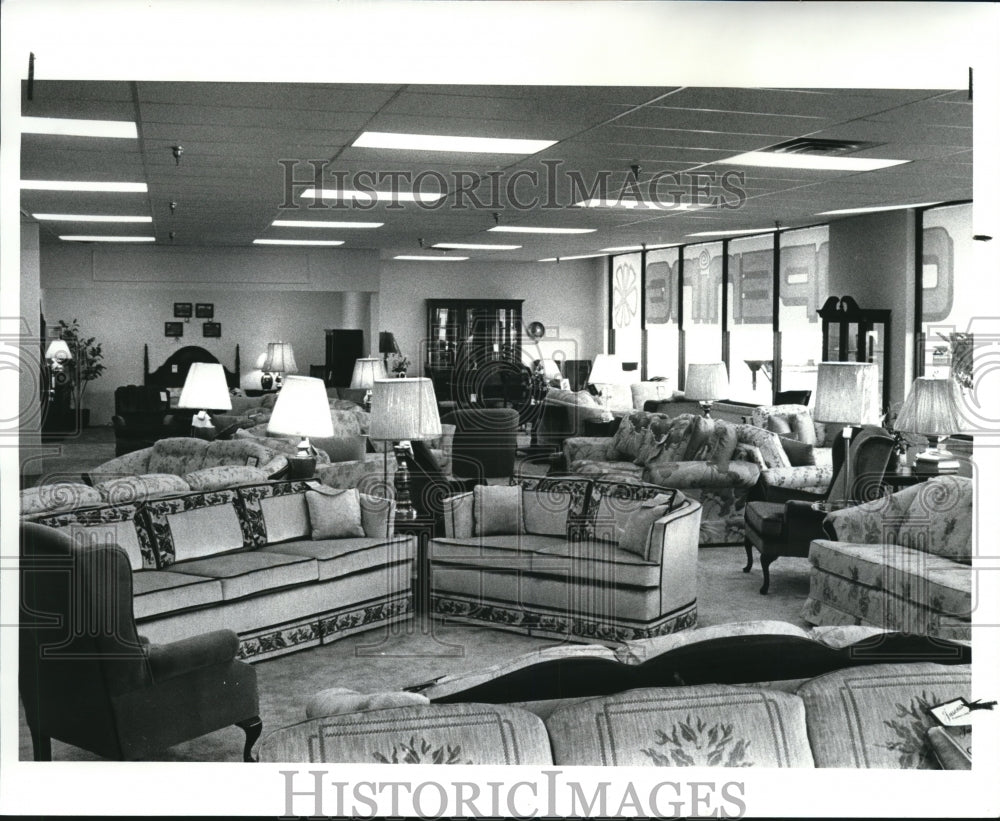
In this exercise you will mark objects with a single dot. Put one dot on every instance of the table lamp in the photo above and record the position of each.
(302, 409)
(705, 383)
(931, 410)
(403, 409)
(366, 371)
(205, 388)
(607, 370)
(387, 345)
(847, 393)
(57, 354)
(280, 360)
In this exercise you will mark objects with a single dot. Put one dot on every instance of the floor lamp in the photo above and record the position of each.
(403, 409)
(847, 393)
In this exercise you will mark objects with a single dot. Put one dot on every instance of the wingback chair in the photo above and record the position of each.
(88, 679)
(785, 528)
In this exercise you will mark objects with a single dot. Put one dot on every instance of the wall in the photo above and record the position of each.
(30, 372)
(123, 297)
(871, 259)
(567, 297)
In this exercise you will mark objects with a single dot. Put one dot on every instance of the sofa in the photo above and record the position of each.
(658, 702)
(283, 564)
(901, 562)
(711, 460)
(568, 557)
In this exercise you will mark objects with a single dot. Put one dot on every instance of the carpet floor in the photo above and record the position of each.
(388, 659)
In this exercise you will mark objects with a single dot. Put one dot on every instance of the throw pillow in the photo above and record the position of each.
(749, 453)
(803, 428)
(546, 512)
(799, 453)
(335, 515)
(496, 509)
(939, 518)
(768, 442)
(653, 440)
(677, 439)
(628, 439)
(779, 425)
(634, 537)
(222, 476)
(128, 489)
(722, 446)
(698, 445)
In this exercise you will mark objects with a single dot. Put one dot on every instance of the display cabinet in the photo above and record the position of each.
(855, 334)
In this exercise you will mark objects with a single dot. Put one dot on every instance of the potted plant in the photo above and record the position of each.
(87, 364)
(398, 363)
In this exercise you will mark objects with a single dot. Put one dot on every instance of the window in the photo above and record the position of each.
(703, 302)
(802, 287)
(625, 295)
(662, 338)
(751, 330)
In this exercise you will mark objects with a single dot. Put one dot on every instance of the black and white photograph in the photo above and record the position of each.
(606, 387)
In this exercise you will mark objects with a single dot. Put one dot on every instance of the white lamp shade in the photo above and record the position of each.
(706, 381)
(205, 388)
(280, 358)
(607, 370)
(931, 408)
(404, 409)
(847, 392)
(366, 371)
(58, 351)
(302, 409)
(550, 369)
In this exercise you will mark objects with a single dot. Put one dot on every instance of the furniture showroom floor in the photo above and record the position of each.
(407, 654)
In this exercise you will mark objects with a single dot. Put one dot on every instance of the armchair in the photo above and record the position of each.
(485, 443)
(88, 679)
(786, 527)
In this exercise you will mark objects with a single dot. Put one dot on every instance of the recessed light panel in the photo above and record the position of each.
(575, 256)
(298, 242)
(474, 246)
(638, 205)
(324, 224)
(370, 197)
(816, 162)
(732, 233)
(873, 208)
(90, 218)
(527, 229)
(429, 258)
(81, 185)
(441, 142)
(115, 129)
(96, 238)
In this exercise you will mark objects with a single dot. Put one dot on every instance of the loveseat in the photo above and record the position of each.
(568, 557)
(684, 700)
(901, 562)
(284, 564)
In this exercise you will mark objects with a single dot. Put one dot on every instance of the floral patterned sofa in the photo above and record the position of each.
(711, 460)
(902, 562)
(832, 702)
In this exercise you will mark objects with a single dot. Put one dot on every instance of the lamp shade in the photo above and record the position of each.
(366, 371)
(930, 408)
(280, 358)
(58, 351)
(607, 370)
(550, 369)
(404, 409)
(847, 392)
(706, 381)
(302, 409)
(205, 388)
(387, 342)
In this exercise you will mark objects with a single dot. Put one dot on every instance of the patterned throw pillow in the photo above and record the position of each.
(939, 518)
(57, 496)
(634, 537)
(221, 476)
(628, 439)
(768, 443)
(678, 437)
(335, 515)
(496, 510)
(722, 445)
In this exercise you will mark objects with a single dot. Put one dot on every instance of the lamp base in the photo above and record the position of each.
(706, 408)
(933, 462)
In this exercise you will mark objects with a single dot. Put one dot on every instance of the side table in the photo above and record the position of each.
(895, 481)
(598, 427)
(423, 529)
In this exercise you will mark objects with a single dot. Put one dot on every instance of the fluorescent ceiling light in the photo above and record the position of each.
(441, 142)
(873, 208)
(627, 248)
(298, 242)
(90, 218)
(650, 205)
(96, 238)
(522, 229)
(732, 233)
(429, 258)
(118, 129)
(475, 246)
(81, 185)
(324, 224)
(370, 197)
(577, 256)
(817, 162)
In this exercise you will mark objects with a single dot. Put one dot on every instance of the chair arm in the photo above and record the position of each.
(179, 657)
(808, 483)
(592, 448)
(802, 522)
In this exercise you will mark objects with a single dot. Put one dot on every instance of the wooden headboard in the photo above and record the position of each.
(173, 372)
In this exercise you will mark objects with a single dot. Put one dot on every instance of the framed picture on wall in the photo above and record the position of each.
(211, 329)
(173, 329)
(182, 310)
(204, 310)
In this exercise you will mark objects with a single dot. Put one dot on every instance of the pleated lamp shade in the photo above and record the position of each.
(280, 358)
(847, 392)
(931, 408)
(404, 409)
(366, 371)
(706, 381)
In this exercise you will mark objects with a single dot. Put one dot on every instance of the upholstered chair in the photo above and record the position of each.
(88, 679)
(485, 443)
(785, 528)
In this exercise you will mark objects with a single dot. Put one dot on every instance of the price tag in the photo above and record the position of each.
(954, 713)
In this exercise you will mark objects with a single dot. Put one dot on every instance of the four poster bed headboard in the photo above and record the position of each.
(173, 372)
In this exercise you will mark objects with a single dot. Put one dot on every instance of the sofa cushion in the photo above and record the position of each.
(251, 572)
(58, 496)
(195, 525)
(546, 512)
(341, 557)
(877, 716)
(496, 509)
(335, 515)
(599, 563)
(158, 592)
(767, 442)
(177, 455)
(515, 551)
(634, 537)
(701, 726)
(491, 734)
(223, 476)
(611, 504)
(108, 524)
(276, 511)
(127, 489)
